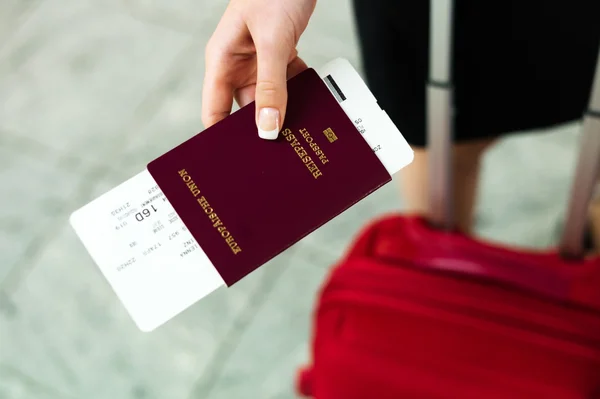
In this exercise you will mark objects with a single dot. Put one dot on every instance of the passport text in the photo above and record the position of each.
(216, 221)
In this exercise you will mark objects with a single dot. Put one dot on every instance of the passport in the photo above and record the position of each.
(207, 213)
(245, 199)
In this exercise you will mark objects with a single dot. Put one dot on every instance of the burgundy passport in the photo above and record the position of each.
(245, 199)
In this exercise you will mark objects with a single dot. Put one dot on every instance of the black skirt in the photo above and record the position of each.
(517, 64)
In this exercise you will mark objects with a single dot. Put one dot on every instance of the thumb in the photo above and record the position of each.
(271, 86)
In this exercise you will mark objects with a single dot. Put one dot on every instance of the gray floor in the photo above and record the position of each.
(92, 90)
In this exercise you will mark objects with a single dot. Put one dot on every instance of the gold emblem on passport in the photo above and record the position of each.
(330, 135)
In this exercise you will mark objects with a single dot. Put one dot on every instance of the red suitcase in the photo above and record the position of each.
(416, 311)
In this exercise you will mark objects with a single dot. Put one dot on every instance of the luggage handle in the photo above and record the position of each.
(586, 175)
(440, 126)
(440, 114)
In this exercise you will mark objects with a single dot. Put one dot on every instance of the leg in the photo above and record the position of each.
(467, 159)
(593, 239)
(595, 225)
(394, 38)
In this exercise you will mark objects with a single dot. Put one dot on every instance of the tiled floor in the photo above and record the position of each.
(89, 92)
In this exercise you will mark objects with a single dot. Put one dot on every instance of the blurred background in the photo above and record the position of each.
(90, 91)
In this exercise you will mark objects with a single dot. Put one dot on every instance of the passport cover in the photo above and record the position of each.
(245, 199)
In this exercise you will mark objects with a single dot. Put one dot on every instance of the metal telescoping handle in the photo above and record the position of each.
(440, 124)
(440, 114)
(586, 175)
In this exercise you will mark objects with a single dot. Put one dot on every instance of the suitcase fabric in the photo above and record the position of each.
(416, 310)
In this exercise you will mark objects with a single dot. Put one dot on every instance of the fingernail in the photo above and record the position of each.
(268, 123)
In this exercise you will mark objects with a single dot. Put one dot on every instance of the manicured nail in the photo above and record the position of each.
(268, 123)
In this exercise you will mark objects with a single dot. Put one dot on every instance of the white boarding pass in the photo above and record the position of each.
(155, 285)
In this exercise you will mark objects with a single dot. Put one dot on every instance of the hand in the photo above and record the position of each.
(250, 56)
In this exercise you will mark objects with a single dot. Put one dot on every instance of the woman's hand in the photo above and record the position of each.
(250, 56)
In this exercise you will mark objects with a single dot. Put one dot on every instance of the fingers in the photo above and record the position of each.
(217, 99)
(273, 53)
(245, 95)
(267, 38)
(296, 66)
(217, 91)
